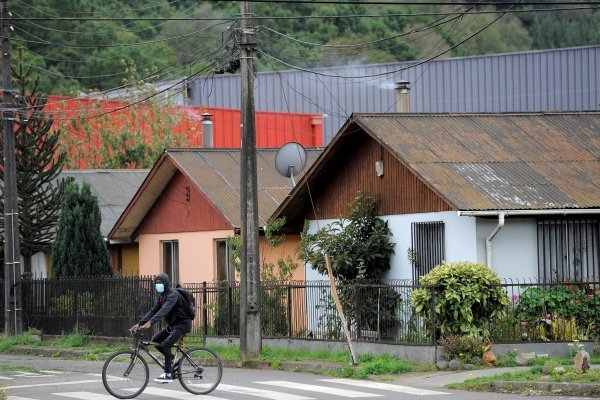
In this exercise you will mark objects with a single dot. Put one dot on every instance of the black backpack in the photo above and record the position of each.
(189, 303)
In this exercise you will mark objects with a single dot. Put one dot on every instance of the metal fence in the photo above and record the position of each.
(2, 305)
(375, 311)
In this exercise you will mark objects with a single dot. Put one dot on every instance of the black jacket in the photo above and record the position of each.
(169, 306)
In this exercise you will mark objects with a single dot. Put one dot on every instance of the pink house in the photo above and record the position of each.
(189, 204)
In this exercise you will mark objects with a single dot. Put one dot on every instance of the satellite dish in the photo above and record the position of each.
(290, 160)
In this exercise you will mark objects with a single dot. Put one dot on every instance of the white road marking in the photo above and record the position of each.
(267, 394)
(6, 378)
(320, 389)
(18, 398)
(85, 395)
(52, 384)
(176, 394)
(385, 386)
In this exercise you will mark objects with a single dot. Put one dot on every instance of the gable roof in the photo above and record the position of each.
(114, 188)
(216, 173)
(517, 161)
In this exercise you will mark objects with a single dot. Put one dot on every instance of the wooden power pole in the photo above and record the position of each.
(250, 331)
(13, 321)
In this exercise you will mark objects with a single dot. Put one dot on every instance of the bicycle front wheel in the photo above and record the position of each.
(125, 375)
(200, 371)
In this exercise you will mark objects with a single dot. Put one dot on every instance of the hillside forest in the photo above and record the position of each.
(90, 45)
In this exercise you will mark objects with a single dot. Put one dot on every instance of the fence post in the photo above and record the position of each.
(433, 323)
(289, 310)
(204, 310)
(229, 308)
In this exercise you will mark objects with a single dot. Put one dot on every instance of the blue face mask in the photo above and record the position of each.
(160, 287)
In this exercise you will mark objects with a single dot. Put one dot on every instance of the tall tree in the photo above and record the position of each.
(39, 163)
(79, 249)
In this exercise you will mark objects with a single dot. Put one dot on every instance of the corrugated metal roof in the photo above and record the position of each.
(542, 80)
(498, 161)
(216, 173)
(113, 188)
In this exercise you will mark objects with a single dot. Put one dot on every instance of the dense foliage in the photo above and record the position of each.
(465, 296)
(76, 53)
(38, 164)
(79, 249)
(562, 311)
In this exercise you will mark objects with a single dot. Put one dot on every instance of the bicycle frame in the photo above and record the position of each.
(142, 345)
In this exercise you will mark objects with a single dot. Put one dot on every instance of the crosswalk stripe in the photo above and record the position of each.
(320, 389)
(18, 398)
(175, 394)
(85, 395)
(6, 378)
(384, 386)
(52, 384)
(47, 371)
(267, 394)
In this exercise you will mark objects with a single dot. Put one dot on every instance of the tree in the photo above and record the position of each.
(38, 164)
(359, 246)
(79, 249)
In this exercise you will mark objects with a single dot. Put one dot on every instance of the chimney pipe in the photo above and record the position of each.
(207, 130)
(402, 90)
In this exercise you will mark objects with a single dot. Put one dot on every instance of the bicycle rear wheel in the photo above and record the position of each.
(125, 375)
(200, 371)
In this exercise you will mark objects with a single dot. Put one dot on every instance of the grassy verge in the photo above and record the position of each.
(337, 362)
(533, 374)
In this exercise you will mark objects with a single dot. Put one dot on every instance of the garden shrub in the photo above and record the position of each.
(468, 349)
(467, 298)
(566, 311)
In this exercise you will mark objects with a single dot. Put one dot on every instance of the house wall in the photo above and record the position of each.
(196, 254)
(514, 248)
(270, 254)
(460, 240)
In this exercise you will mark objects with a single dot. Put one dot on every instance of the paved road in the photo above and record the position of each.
(60, 379)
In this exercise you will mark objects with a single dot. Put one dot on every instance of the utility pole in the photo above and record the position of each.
(13, 321)
(250, 331)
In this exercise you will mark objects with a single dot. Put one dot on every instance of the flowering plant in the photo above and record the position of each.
(575, 347)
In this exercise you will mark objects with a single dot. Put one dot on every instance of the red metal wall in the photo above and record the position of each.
(273, 129)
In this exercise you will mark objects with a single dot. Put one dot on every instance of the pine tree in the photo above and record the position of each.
(79, 249)
(38, 163)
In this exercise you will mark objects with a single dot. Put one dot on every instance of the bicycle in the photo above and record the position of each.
(125, 374)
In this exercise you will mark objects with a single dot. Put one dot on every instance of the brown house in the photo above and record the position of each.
(451, 185)
(189, 204)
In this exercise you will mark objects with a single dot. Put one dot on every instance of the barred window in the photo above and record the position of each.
(427, 251)
(568, 249)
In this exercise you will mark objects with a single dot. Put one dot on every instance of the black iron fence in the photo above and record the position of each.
(375, 311)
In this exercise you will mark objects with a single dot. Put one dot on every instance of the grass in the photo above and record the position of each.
(533, 374)
(3, 394)
(19, 368)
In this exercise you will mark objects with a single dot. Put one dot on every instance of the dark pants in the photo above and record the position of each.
(168, 338)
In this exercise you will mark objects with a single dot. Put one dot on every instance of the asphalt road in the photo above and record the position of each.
(64, 379)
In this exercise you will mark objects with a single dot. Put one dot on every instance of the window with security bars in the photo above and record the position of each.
(568, 249)
(427, 247)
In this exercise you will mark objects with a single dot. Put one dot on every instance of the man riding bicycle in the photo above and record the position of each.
(170, 306)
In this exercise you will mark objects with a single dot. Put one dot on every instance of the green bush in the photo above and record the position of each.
(465, 348)
(466, 299)
(572, 304)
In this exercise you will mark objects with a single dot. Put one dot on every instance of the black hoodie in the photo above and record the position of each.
(169, 306)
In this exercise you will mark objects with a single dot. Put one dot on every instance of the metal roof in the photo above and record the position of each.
(519, 161)
(113, 188)
(216, 173)
(544, 80)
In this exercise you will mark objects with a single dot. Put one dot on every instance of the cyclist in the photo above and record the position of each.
(169, 306)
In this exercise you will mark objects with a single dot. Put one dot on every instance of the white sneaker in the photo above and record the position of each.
(164, 378)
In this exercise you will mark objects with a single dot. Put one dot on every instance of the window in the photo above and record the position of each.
(170, 260)
(568, 249)
(427, 241)
(225, 270)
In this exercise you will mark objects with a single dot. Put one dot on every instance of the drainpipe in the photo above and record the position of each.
(488, 240)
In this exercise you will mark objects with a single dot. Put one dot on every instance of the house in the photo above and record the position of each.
(113, 189)
(187, 207)
(519, 192)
